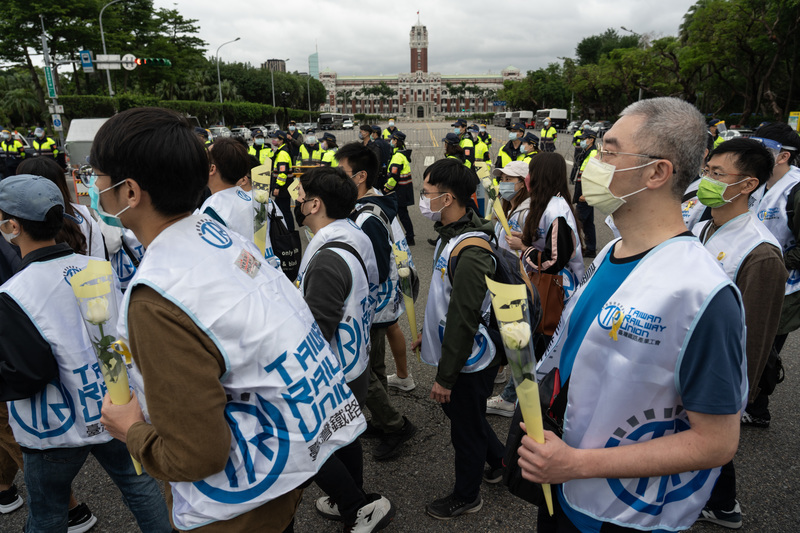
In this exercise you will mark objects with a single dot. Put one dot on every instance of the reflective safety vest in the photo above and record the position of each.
(46, 147)
(732, 243)
(351, 341)
(263, 154)
(482, 152)
(390, 305)
(508, 154)
(483, 349)
(311, 156)
(288, 404)
(576, 138)
(281, 166)
(12, 148)
(468, 146)
(639, 337)
(485, 137)
(770, 208)
(399, 170)
(592, 153)
(66, 413)
(548, 134)
(329, 157)
(388, 132)
(573, 272)
(516, 222)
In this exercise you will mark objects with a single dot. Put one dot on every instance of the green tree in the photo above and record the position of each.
(592, 48)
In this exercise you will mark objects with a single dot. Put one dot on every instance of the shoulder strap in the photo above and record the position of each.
(374, 209)
(790, 206)
(346, 247)
(130, 254)
(466, 243)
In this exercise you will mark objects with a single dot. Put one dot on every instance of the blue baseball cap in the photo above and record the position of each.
(460, 122)
(29, 197)
(451, 138)
(530, 138)
(399, 135)
(519, 126)
(328, 137)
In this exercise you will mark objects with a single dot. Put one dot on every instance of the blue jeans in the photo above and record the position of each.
(509, 393)
(49, 475)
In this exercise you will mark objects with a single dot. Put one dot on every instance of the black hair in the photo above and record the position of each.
(784, 134)
(333, 187)
(158, 149)
(752, 158)
(453, 149)
(360, 158)
(44, 230)
(48, 168)
(452, 176)
(548, 171)
(230, 157)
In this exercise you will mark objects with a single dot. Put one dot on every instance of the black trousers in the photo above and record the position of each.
(284, 203)
(473, 439)
(585, 214)
(723, 497)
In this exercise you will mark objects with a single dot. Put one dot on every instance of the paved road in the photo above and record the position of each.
(766, 463)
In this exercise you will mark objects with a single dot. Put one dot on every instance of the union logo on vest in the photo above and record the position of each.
(243, 195)
(651, 495)
(213, 233)
(52, 412)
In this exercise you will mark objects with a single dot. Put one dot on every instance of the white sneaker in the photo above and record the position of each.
(502, 377)
(498, 406)
(374, 516)
(404, 384)
(327, 508)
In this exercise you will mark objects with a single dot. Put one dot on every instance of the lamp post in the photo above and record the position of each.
(103, 38)
(640, 41)
(219, 80)
(272, 76)
(308, 86)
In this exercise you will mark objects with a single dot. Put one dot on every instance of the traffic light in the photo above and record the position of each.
(154, 61)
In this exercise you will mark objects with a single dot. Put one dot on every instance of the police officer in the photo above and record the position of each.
(329, 148)
(43, 145)
(714, 138)
(584, 211)
(260, 149)
(12, 151)
(294, 140)
(511, 151)
(282, 175)
(464, 141)
(528, 149)
(202, 134)
(548, 135)
(485, 135)
(481, 147)
(387, 133)
(310, 152)
(399, 181)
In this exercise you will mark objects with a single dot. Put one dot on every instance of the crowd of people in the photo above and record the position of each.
(252, 369)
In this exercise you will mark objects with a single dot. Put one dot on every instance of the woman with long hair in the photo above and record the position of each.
(515, 200)
(80, 230)
(549, 238)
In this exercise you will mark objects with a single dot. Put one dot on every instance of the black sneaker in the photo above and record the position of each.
(80, 519)
(731, 519)
(754, 421)
(432, 242)
(10, 500)
(450, 507)
(372, 432)
(389, 446)
(493, 475)
(410, 241)
(590, 253)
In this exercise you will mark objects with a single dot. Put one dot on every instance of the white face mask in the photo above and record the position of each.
(259, 141)
(425, 208)
(391, 123)
(7, 236)
(512, 135)
(595, 183)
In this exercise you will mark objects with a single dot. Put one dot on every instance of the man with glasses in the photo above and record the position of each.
(650, 349)
(751, 256)
(775, 204)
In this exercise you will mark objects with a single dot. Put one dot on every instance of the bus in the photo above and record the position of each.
(558, 117)
(526, 117)
(502, 119)
(330, 121)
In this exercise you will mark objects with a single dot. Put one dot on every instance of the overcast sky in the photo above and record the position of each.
(359, 38)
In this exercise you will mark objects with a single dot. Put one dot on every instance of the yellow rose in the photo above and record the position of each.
(516, 335)
(404, 272)
(97, 310)
(261, 196)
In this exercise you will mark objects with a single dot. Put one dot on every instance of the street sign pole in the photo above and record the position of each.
(51, 88)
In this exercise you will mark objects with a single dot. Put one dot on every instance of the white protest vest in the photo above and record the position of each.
(609, 220)
(573, 272)
(91, 230)
(483, 349)
(121, 263)
(390, 306)
(692, 209)
(351, 341)
(770, 208)
(235, 207)
(625, 383)
(289, 407)
(734, 241)
(66, 413)
(516, 222)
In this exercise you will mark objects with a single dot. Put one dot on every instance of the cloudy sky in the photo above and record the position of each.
(358, 37)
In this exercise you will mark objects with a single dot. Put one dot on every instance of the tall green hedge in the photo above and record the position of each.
(207, 113)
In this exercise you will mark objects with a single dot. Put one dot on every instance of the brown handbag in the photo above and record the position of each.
(551, 295)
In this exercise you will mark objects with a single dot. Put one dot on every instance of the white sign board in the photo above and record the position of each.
(57, 124)
(128, 61)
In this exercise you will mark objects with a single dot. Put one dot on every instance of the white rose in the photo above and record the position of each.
(487, 183)
(516, 335)
(97, 310)
(404, 272)
(261, 196)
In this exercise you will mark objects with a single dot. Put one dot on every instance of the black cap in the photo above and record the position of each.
(589, 133)
(451, 138)
(517, 126)
(328, 137)
(292, 122)
(256, 132)
(200, 131)
(399, 135)
(376, 128)
(460, 123)
(530, 138)
(474, 127)
(278, 134)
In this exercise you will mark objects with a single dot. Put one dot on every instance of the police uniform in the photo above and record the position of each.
(282, 177)
(548, 136)
(400, 182)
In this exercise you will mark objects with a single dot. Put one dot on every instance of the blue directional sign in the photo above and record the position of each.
(499, 103)
(86, 61)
